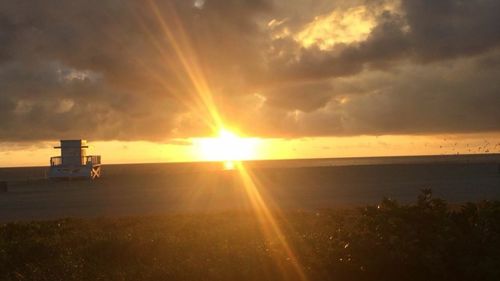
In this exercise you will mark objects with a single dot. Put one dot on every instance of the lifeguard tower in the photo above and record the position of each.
(74, 162)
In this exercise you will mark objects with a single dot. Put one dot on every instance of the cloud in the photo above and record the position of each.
(292, 96)
(420, 31)
(109, 70)
(448, 29)
(110, 60)
(455, 97)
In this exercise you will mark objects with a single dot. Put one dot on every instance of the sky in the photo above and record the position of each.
(146, 81)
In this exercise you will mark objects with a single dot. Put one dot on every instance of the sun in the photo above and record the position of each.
(227, 147)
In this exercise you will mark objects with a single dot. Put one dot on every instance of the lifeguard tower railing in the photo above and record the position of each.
(85, 160)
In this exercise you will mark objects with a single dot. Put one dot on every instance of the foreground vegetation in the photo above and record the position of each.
(427, 240)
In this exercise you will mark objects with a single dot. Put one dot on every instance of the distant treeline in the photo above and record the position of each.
(426, 240)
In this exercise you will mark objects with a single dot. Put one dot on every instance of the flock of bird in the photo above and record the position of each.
(478, 148)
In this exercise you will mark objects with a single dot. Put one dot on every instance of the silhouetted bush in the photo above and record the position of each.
(427, 240)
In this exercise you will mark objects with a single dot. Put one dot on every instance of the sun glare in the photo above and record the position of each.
(227, 146)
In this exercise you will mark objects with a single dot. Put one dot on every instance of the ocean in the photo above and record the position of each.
(309, 184)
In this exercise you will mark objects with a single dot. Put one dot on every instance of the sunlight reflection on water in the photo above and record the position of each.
(228, 165)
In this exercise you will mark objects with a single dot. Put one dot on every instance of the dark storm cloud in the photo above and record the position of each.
(445, 100)
(447, 29)
(291, 96)
(106, 70)
(429, 37)
(424, 31)
(457, 97)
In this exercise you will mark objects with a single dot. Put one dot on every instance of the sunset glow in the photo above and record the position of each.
(183, 81)
(249, 140)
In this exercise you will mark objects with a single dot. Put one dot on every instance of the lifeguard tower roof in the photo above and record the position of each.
(74, 162)
(72, 143)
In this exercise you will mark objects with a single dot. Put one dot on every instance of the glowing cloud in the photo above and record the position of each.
(349, 26)
(199, 4)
